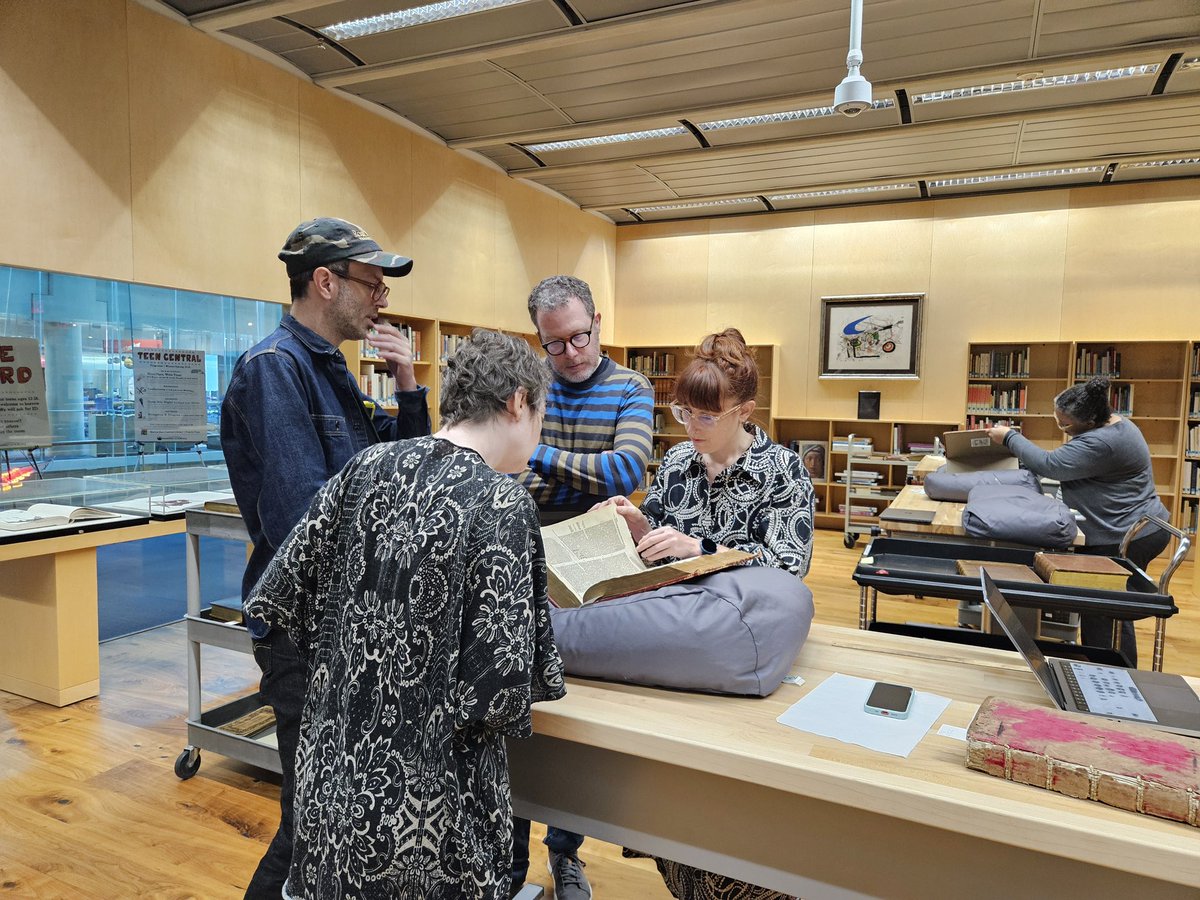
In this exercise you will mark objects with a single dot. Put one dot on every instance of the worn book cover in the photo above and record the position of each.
(1000, 571)
(224, 505)
(592, 557)
(1081, 570)
(1126, 765)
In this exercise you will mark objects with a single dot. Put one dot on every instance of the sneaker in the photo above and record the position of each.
(569, 881)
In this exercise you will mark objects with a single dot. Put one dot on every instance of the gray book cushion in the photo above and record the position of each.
(1007, 513)
(733, 632)
(943, 485)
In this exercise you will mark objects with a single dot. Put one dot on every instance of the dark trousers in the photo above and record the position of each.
(556, 839)
(283, 686)
(1096, 630)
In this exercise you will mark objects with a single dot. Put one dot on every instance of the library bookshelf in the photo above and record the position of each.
(885, 451)
(373, 376)
(1152, 385)
(662, 364)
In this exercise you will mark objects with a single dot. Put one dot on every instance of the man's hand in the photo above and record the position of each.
(639, 526)
(395, 349)
(666, 541)
(998, 433)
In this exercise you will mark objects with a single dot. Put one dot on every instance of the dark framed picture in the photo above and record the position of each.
(814, 455)
(873, 336)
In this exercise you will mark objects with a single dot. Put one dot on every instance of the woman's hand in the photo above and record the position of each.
(638, 524)
(667, 541)
(998, 433)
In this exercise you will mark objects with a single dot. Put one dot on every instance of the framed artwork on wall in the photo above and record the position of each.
(871, 336)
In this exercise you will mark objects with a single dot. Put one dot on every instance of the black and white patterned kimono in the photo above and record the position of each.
(415, 590)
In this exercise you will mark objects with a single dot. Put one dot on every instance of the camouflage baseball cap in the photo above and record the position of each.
(318, 242)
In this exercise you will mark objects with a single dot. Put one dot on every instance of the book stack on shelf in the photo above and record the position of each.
(1001, 363)
(997, 399)
(664, 391)
(450, 344)
(368, 352)
(377, 385)
(862, 445)
(1090, 363)
(652, 362)
(1120, 398)
(1191, 478)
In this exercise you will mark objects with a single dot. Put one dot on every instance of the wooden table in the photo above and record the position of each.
(49, 618)
(716, 782)
(947, 515)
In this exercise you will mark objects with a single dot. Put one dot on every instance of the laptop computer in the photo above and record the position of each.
(973, 451)
(1157, 699)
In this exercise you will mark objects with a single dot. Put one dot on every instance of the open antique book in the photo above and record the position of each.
(592, 557)
(44, 515)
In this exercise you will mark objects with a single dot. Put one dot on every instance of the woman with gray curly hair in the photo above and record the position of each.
(415, 592)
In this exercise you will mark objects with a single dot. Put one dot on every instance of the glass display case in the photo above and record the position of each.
(168, 493)
(53, 506)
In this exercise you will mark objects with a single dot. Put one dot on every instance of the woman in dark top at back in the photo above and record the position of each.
(1106, 474)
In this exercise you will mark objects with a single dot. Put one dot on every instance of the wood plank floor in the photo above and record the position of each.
(90, 806)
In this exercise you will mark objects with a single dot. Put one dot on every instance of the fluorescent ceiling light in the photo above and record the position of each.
(703, 204)
(1188, 161)
(606, 139)
(793, 115)
(1032, 84)
(405, 18)
(837, 192)
(1014, 176)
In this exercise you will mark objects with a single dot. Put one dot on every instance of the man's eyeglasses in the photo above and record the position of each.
(685, 416)
(578, 341)
(379, 290)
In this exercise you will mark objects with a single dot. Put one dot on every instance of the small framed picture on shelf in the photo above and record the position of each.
(814, 455)
(871, 336)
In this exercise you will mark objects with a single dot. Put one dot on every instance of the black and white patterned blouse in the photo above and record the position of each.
(762, 502)
(415, 591)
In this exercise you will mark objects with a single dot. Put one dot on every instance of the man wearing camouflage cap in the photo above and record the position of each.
(292, 417)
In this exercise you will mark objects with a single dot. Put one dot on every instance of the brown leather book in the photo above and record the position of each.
(1080, 570)
(1000, 571)
(1129, 766)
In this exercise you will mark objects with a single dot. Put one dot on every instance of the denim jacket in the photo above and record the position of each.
(292, 417)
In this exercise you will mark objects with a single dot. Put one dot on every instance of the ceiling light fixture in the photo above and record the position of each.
(1013, 176)
(406, 18)
(853, 95)
(1153, 163)
(837, 192)
(1033, 84)
(703, 204)
(792, 115)
(605, 139)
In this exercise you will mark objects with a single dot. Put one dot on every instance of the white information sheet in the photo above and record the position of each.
(168, 389)
(1111, 692)
(834, 708)
(24, 422)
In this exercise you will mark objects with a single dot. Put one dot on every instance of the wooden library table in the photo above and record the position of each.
(716, 782)
(947, 515)
(49, 617)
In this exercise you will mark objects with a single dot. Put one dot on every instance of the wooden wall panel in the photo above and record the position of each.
(662, 282)
(454, 216)
(1133, 262)
(587, 249)
(64, 137)
(760, 277)
(358, 166)
(215, 161)
(526, 249)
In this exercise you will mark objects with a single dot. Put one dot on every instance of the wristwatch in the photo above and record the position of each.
(707, 546)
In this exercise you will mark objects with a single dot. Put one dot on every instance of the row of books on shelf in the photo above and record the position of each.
(858, 477)
(1191, 477)
(1194, 404)
(1000, 363)
(861, 445)
(377, 385)
(658, 363)
(1120, 398)
(658, 450)
(1195, 370)
(1193, 441)
(450, 345)
(1189, 517)
(664, 392)
(414, 340)
(990, 398)
(857, 509)
(1090, 363)
(977, 422)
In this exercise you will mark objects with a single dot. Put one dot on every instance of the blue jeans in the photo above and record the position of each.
(556, 839)
(284, 686)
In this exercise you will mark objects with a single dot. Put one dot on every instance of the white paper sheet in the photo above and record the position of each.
(834, 708)
(953, 731)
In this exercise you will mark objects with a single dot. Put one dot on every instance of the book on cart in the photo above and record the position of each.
(1000, 571)
(592, 557)
(46, 515)
(1121, 764)
(1081, 570)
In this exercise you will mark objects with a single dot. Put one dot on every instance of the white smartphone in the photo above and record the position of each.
(891, 700)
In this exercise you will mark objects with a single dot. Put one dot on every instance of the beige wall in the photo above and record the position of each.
(1115, 262)
(138, 148)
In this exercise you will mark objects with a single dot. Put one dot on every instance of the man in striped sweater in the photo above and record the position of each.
(595, 444)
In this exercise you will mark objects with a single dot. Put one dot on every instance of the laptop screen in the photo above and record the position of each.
(1007, 617)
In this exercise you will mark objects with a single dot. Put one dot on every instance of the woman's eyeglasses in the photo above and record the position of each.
(685, 416)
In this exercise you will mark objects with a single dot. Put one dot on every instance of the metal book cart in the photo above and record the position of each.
(883, 491)
(205, 729)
